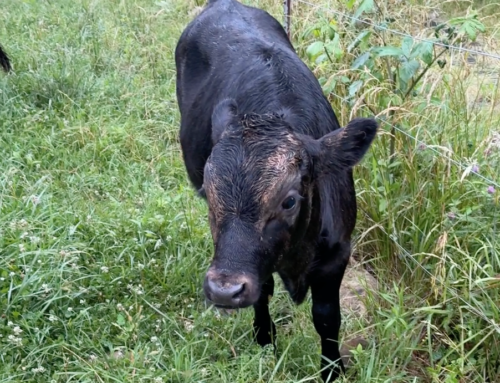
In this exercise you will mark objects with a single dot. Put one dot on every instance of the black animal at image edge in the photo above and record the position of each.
(262, 144)
(4, 60)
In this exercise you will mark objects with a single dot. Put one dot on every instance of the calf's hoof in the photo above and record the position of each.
(331, 374)
(264, 337)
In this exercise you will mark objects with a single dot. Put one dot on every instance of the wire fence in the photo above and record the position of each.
(404, 253)
(383, 27)
(462, 166)
(287, 8)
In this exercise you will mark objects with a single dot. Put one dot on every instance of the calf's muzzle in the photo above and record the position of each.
(230, 289)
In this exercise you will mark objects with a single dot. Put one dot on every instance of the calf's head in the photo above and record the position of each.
(259, 182)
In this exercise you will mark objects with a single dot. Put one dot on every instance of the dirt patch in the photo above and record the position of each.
(353, 289)
(357, 280)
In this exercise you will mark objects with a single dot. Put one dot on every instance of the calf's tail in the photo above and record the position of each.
(4, 60)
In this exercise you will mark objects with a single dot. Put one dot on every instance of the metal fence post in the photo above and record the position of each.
(287, 10)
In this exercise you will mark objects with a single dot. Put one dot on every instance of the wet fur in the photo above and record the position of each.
(260, 85)
(254, 123)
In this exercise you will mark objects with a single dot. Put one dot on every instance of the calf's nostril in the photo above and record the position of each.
(238, 290)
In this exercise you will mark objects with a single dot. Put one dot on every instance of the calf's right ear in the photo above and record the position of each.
(223, 115)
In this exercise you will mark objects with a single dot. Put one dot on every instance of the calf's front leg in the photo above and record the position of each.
(325, 288)
(264, 327)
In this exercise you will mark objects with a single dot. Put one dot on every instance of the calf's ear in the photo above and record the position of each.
(224, 113)
(344, 148)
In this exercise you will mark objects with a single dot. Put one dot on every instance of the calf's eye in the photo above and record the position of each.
(289, 203)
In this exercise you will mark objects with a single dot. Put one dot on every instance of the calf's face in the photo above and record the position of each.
(259, 182)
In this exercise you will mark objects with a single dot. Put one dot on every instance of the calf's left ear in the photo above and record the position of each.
(345, 147)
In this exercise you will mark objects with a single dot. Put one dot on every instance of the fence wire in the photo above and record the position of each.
(459, 164)
(399, 33)
(454, 292)
(393, 238)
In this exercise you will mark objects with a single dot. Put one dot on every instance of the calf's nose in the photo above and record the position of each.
(236, 291)
(225, 294)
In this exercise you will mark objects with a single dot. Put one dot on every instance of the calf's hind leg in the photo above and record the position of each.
(263, 325)
(325, 289)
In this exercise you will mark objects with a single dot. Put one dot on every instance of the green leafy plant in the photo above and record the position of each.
(398, 61)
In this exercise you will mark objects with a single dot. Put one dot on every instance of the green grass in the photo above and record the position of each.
(104, 245)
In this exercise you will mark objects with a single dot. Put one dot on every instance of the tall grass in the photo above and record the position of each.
(428, 224)
(104, 245)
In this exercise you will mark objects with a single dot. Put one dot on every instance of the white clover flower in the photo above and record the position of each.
(17, 330)
(158, 244)
(38, 370)
(188, 326)
(104, 269)
(46, 287)
(35, 199)
(15, 340)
